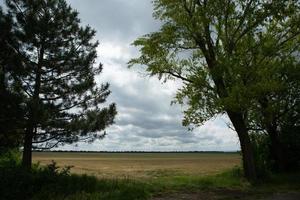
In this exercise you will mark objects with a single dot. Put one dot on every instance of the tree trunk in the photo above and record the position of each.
(246, 146)
(236, 118)
(27, 153)
(239, 125)
(33, 116)
(238, 122)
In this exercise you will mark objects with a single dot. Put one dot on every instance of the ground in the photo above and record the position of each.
(227, 194)
(142, 165)
(179, 176)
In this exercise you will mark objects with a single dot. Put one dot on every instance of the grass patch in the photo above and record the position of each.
(228, 179)
(281, 183)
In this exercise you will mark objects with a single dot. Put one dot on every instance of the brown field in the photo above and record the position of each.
(141, 165)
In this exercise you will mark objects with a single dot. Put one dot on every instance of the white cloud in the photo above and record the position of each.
(110, 51)
(146, 120)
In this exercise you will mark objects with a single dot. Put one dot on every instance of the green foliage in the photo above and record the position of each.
(10, 158)
(233, 57)
(222, 51)
(264, 160)
(262, 155)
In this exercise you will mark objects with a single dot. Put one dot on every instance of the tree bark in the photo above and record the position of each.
(240, 127)
(245, 143)
(34, 111)
(239, 124)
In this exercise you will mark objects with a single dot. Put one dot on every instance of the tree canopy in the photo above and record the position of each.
(228, 54)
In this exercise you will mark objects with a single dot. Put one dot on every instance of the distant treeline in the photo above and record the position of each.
(73, 151)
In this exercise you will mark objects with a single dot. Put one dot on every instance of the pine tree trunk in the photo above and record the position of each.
(34, 109)
(27, 149)
(246, 146)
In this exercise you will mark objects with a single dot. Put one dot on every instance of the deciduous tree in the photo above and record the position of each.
(210, 45)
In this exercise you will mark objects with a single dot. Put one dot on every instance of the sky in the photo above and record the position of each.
(146, 120)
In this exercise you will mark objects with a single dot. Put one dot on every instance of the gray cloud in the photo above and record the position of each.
(146, 121)
(117, 20)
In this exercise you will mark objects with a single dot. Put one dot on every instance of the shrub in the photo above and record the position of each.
(10, 159)
(290, 137)
(262, 156)
(51, 182)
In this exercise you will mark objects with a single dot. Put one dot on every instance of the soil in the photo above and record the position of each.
(286, 196)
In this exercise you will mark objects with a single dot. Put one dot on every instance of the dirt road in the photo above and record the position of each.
(227, 194)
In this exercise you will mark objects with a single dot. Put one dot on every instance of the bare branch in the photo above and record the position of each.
(178, 76)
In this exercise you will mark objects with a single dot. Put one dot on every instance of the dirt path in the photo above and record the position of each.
(287, 196)
(226, 194)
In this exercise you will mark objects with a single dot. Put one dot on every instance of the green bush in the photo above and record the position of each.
(10, 158)
(262, 156)
(264, 160)
(52, 183)
(290, 137)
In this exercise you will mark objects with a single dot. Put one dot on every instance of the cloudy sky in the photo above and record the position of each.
(146, 121)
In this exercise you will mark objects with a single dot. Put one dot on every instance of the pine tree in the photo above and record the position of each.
(62, 99)
(11, 112)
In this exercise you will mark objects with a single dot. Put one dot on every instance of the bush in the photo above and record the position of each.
(264, 160)
(262, 155)
(51, 182)
(10, 158)
(290, 137)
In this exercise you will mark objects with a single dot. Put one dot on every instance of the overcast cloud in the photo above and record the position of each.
(146, 121)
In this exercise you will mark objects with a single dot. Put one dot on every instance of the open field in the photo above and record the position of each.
(141, 165)
(148, 176)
